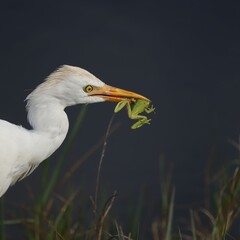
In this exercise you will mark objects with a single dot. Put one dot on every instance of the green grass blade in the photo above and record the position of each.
(63, 157)
(2, 225)
(180, 234)
(137, 217)
(193, 227)
(170, 216)
(44, 176)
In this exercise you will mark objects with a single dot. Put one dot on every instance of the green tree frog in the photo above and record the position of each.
(139, 106)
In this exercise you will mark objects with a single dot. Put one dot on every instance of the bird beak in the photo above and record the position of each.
(113, 94)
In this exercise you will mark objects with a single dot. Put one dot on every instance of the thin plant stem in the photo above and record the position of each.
(100, 164)
(104, 215)
(87, 155)
(59, 217)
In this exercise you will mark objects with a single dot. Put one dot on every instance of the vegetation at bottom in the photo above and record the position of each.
(63, 215)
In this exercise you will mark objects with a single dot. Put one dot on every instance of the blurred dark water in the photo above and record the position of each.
(184, 56)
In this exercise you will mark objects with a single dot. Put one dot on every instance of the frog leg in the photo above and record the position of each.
(121, 105)
(140, 123)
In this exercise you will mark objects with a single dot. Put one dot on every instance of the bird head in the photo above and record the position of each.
(73, 85)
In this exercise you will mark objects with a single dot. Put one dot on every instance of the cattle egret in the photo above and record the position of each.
(22, 150)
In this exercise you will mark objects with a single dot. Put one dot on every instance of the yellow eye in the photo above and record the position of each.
(88, 88)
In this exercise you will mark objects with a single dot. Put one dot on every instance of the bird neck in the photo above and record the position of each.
(50, 126)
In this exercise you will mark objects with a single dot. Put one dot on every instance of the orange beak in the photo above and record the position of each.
(113, 94)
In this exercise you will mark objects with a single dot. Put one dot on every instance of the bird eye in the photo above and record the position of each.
(88, 88)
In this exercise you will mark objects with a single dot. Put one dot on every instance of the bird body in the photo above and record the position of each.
(22, 150)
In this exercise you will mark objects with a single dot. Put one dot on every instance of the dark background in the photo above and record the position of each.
(183, 55)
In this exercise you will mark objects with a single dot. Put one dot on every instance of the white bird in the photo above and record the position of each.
(22, 150)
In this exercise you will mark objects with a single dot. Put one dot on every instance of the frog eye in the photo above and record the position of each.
(88, 88)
